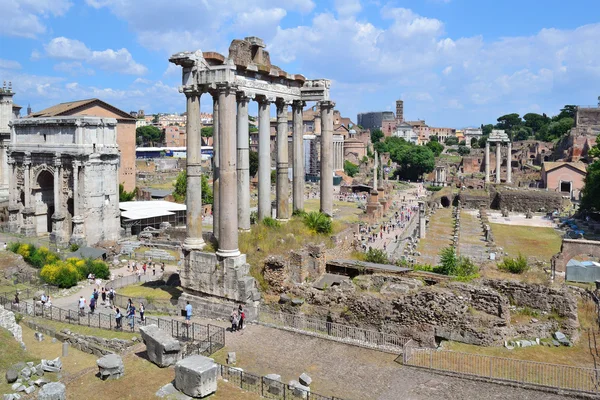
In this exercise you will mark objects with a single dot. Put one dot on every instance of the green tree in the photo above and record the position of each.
(482, 141)
(206, 131)
(253, 156)
(535, 121)
(155, 118)
(318, 222)
(558, 129)
(448, 261)
(414, 161)
(590, 194)
(475, 143)
(436, 147)
(568, 111)
(149, 135)
(350, 168)
(451, 141)
(376, 135)
(521, 133)
(376, 256)
(273, 177)
(434, 138)
(252, 128)
(509, 121)
(180, 186)
(464, 150)
(126, 196)
(487, 129)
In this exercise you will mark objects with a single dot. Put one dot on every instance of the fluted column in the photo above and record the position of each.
(509, 163)
(498, 160)
(298, 155)
(326, 157)
(215, 207)
(193, 240)
(264, 159)
(487, 161)
(228, 222)
(282, 190)
(243, 163)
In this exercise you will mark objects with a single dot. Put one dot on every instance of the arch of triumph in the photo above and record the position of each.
(215, 281)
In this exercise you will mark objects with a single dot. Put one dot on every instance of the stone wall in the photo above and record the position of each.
(7, 321)
(474, 198)
(523, 200)
(588, 120)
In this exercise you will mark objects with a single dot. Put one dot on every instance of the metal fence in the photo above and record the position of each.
(267, 388)
(212, 336)
(333, 331)
(522, 372)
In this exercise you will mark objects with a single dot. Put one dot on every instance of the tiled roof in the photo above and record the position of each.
(549, 166)
(67, 108)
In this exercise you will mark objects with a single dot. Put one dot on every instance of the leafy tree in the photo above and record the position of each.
(180, 191)
(464, 150)
(414, 161)
(126, 196)
(521, 133)
(252, 128)
(462, 143)
(155, 118)
(568, 111)
(253, 155)
(448, 261)
(434, 138)
(273, 177)
(377, 256)
(487, 129)
(350, 168)
(590, 194)
(557, 129)
(436, 147)
(482, 141)
(149, 134)
(376, 135)
(535, 121)
(206, 131)
(509, 121)
(451, 141)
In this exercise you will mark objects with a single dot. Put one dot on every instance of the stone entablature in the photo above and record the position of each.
(499, 137)
(64, 179)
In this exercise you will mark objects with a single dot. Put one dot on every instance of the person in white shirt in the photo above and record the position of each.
(81, 305)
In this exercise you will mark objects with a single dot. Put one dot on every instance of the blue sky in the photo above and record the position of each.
(455, 63)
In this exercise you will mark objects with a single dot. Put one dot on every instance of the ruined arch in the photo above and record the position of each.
(571, 248)
(445, 201)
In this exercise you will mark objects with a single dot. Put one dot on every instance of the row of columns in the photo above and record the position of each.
(338, 155)
(498, 162)
(231, 172)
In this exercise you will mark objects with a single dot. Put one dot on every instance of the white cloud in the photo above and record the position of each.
(347, 7)
(9, 64)
(108, 60)
(259, 22)
(22, 18)
(73, 68)
(447, 70)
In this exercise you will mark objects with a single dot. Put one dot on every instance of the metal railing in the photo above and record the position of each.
(333, 331)
(211, 335)
(267, 388)
(522, 372)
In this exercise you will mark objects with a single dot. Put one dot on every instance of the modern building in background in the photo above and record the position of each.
(374, 120)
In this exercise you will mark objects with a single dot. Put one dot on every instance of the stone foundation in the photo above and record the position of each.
(211, 307)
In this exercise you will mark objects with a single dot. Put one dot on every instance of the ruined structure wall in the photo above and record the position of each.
(101, 205)
(523, 200)
(588, 120)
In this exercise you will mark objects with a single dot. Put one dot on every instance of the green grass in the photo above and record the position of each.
(148, 291)
(541, 243)
(84, 330)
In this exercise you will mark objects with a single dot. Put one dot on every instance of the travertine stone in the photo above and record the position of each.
(216, 169)
(194, 174)
(196, 376)
(282, 189)
(162, 348)
(509, 162)
(487, 161)
(110, 366)
(243, 163)
(327, 157)
(498, 160)
(53, 391)
(264, 159)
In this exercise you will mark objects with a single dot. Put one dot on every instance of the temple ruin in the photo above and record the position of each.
(246, 74)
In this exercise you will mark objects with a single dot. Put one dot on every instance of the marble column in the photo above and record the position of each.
(29, 228)
(509, 163)
(193, 201)
(282, 190)
(487, 161)
(75, 188)
(14, 217)
(326, 157)
(27, 179)
(264, 159)
(298, 155)
(243, 163)
(78, 234)
(57, 185)
(498, 160)
(228, 222)
(216, 136)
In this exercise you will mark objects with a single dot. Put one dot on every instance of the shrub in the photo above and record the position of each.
(423, 267)
(377, 256)
(74, 246)
(253, 217)
(271, 222)
(34, 256)
(299, 213)
(434, 188)
(63, 274)
(448, 261)
(318, 222)
(514, 265)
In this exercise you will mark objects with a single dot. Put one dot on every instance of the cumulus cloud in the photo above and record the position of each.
(24, 18)
(347, 7)
(73, 68)
(108, 60)
(9, 64)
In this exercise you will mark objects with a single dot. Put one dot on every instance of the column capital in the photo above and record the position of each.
(282, 104)
(264, 100)
(245, 97)
(225, 88)
(326, 104)
(298, 104)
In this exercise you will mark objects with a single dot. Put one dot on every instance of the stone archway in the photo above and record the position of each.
(44, 201)
(445, 201)
(571, 248)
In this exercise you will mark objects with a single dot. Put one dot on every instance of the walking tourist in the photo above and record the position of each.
(142, 309)
(241, 317)
(103, 296)
(118, 318)
(92, 304)
(81, 305)
(188, 313)
(131, 316)
(234, 320)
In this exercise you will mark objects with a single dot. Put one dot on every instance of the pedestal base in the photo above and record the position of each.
(58, 236)
(78, 236)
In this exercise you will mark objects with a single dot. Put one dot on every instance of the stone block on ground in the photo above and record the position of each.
(305, 379)
(231, 358)
(30, 389)
(196, 376)
(274, 384)
(11, 376)
(110, 366)
(38, 336)
(299, 390)
(53, 391)
(163, 350)
(52, 365)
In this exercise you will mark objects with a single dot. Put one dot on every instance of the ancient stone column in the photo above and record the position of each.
(27, 178)
(243, 163)
(509, 163)
(75, 188)
(57, 185)
(327, 157)
(487, 161)
(282, 192)
(193, 201)
(14, 210)
(298, 155)
(375, 172)
(78, 234)
(264, 159)
(498, 160)
(215, 207)
(228, 222)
